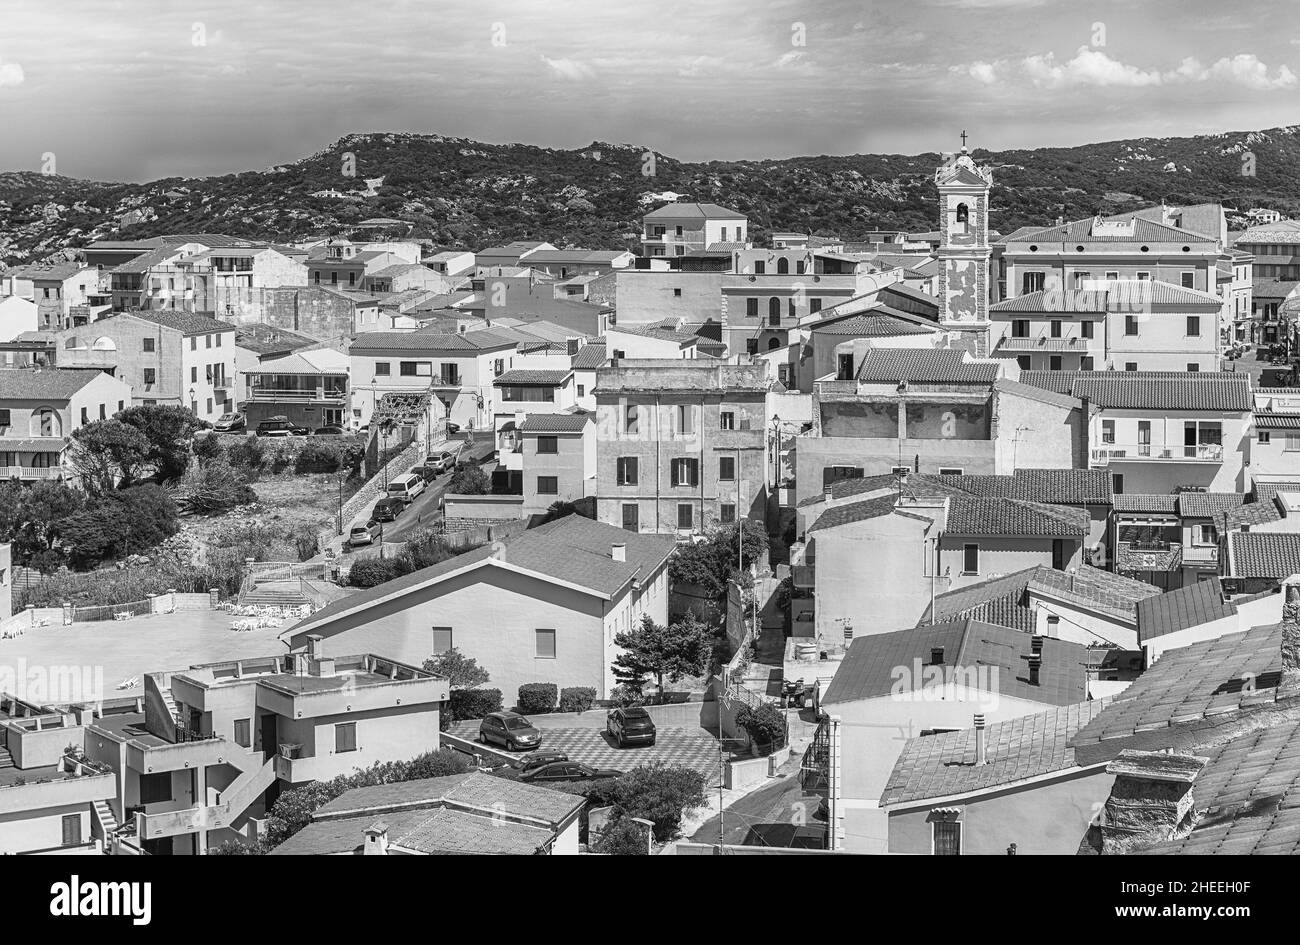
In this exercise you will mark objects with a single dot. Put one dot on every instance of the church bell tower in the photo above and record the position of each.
(964, 244)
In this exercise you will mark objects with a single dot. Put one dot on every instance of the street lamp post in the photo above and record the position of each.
(776, 457)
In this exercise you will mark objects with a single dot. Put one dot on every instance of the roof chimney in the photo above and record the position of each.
(618, 551)
(1036, 641)
(981, 753)
(1053, 627)
(315, 646)
(1035, 666)
(376, 839)
(936, 656)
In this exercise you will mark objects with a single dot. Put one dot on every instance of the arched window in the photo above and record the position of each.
(963, 213)
(45, 422)
(105, 344)
(773, 343)
(774, 307)
(782, 266)
(800, 267)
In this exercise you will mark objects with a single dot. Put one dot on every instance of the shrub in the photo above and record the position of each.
(371, 572)
(535, 697)
(659, 793)
(462, 672)
(622, 836)
(577, 698)
(306, 540)
(327, 455)
(467, 704)
(212, 486)
(248, 452)
(469, 480)
(207, 448)
(624, 696)
(765, 725)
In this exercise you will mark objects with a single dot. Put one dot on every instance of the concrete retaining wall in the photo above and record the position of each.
(372, 491)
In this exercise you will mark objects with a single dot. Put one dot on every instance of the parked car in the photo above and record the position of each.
(568, 771)
(405, 487)
(386, 510)
(630, 726)
(362, 535)
(510, 730)
(440, 462)
(329, 431)
(280, 426)
(230, 423)
(541, 757)
(452, 428)
(427, 473)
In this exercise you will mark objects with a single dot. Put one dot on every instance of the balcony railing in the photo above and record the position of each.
(284, 395)
(1148, 556)
(34, 472)
(1143, 452)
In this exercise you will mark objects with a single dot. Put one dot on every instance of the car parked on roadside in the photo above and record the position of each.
(440, 462)
(329, 431)
(387, 510)
(230, 423)
(630, 726)
(543, 756)
(405, 487)
(427, 473)
(510, 730)
(567, 771)
(361, 535)
(280, 426)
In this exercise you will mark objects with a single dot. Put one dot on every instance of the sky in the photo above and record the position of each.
(137, 90)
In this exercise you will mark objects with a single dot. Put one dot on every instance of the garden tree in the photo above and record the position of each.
(42, 509)
(293, 809)
(11, 493)
(108, 454)
(679, 649)
(124, 522)
(659, 793)
(168, 430)
(211, 486)
(562, 508)
(462, 672)
(710, 562)
(622, 836)
(469, 480)
(208, 448)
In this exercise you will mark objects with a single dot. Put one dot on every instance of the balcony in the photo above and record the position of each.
(285, 395)
(35, 472)
(1201, 554)
(1148, 556)
(1148, 452)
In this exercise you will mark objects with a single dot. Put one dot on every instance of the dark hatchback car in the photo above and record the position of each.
(631, 726)
(329, 431)
(567, 771)
(280, 426)
(510, 730)
(386, 510)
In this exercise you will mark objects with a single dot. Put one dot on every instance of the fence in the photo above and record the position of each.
(166, 603)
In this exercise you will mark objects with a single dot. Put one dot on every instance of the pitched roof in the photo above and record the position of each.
(1146, 502)
(481, 340)
(1005, 600)
(1095, 588)
(868, 668)
(844, 488)
(970, 515)
(1119, 295)
(531, 376)
(1082, 231)
(1263, 554)
(1150, 390)
(925, 365)
(1018, 749)
(1208, 504)
(1188, 606)
(855, 512)
(591, 356)
(1189, 684)
(573, 550)
(556, 422)
(187, 323)
(45, 384)
(700, 211)
(1053, 486)
(880, 322)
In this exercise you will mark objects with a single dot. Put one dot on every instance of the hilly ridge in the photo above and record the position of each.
(456, 191)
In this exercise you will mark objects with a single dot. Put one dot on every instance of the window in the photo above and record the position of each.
(1189, 280)
(1056, 328)
(1144, 277)
(751, 346)
(1207, 534)
(1020, 328)
(545, 644)
(751, 308)
(1130, 325)
(548, 444)
(685, 419)
(844, 367)
(685, 472)
(631, 418)
(685, 516)
(783, 266)
(1108, 431)
(155, 788)
(209, 405)
(1085, 363)
(71, 830)
(727, 420)
(677, 293)
(147, 343)
(814, 305)
(1262, 436)
(627, 470)
(194, 375)
(760, 267)
(1193, 326)
(194, 342)
(383, 369)
(150, 375)
(345, 737)
(207, 341)
(1291, 442)
(1086, 329)
(1130, 365)
(727, 468)
(1080, 278)
(243, 733)
(84, 417)
(631, 517)
(1112, 275)
(441, 640)
(1032, 282)
(498, 367)
(415, 368)
(218, 337)
(6, 418)
(548, 485)
(1192, 367)
(950, 471)
(1024, 362)
(727, 513)
(947, 838)
(1117, 483)
(774, 310)
(582, 390)
(971, 559)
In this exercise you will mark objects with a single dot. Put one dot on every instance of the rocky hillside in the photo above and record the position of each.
(461, 192)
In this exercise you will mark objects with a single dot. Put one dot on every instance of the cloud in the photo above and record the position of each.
(793, 58)
(1092, 68)
(11, 73)
(570, 69)
(1242, 69)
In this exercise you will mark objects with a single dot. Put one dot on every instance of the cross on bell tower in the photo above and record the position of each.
(963, 139)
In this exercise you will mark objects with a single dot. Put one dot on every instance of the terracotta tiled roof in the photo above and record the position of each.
(1150, 390)
(1263, 554)
(925, 365)
(1011, 517)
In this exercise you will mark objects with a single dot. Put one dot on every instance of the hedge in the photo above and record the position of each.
(535, 697)
(473, 703)
(577, 698)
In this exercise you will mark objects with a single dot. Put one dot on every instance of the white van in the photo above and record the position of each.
(406, 487)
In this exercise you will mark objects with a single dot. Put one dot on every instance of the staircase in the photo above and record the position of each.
(106, 820)
(275, 594)
(6, 759)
